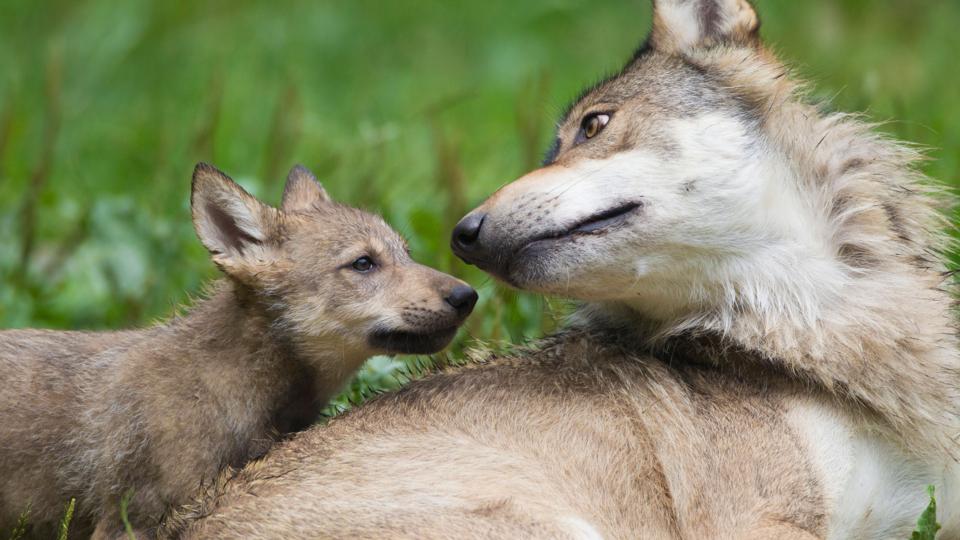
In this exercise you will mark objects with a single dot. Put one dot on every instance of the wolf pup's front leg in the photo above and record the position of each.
(311, 290)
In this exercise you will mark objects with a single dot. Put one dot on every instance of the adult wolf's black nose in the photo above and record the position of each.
(465, 235)
(462, 298)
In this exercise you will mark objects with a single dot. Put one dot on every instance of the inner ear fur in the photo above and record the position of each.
(233, 225)
(683, 25)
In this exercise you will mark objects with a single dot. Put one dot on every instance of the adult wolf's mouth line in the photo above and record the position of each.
(592, 224)
(605, 219)
(502, 264)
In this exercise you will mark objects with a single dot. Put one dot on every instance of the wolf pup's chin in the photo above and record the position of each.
(407, 342)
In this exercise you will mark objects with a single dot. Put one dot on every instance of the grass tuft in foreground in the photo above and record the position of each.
(20, 530)
(927, 525)
(67, 518)
(124, 504)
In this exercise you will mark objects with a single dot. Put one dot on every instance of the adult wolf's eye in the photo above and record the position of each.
(594, 124)
(363, 264)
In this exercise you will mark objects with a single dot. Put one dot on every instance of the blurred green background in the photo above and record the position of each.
(414, 109)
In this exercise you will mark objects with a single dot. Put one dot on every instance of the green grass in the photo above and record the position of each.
(927, 525)
(124, 506)
(417, 110)
(20, 529)
(64, 529)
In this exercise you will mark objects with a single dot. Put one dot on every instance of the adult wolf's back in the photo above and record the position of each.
(695, 193)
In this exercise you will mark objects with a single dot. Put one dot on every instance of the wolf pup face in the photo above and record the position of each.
(336, 278)
(660, 181)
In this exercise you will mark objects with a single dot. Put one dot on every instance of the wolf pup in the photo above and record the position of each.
(312, 289)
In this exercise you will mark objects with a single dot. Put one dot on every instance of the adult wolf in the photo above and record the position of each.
(765, 350)
(695, 194)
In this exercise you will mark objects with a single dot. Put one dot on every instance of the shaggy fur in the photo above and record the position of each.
(879, 326)
(804, 237)
(158, 412)
(772, 353)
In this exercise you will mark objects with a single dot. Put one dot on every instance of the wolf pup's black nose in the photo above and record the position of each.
(465, 235)
(462, 298)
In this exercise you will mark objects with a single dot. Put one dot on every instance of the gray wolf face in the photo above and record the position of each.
(660, 183)
(334, 276)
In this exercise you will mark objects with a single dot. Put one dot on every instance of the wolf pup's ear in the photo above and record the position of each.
(302, 191)
(683, 25)
(232, 224)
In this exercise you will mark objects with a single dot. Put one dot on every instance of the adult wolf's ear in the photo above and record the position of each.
(233, 225)
(683, 25)
(302, 191)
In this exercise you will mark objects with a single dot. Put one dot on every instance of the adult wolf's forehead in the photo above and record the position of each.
(665, 84)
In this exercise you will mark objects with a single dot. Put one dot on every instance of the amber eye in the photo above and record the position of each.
(594, 124)
(363, 264)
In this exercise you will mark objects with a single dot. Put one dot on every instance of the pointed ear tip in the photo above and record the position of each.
(203, 171)
(203, 168)
(299, 170)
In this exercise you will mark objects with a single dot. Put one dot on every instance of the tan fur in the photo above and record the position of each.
(889, 339)
(576, 439)
(780, 404)
(158, 412)
(879, 331)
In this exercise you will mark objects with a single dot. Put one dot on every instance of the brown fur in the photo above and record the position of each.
(158, 412)
(538, 446)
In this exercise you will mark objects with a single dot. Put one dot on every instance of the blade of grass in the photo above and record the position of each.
(124, 504)
(20, 530)
(927, 525)
(67, 518)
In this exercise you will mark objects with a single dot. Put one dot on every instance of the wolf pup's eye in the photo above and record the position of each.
(594, 124)
(363, 264)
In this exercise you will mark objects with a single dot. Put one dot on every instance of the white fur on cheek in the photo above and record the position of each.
(742, 190)
(723, 222)
(721, 192)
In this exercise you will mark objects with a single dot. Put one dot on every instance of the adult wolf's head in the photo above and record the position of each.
(333, 277)
(695, 178)
(696, 192)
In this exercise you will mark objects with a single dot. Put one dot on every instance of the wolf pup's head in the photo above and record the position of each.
(334, 277)
(695, 178)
